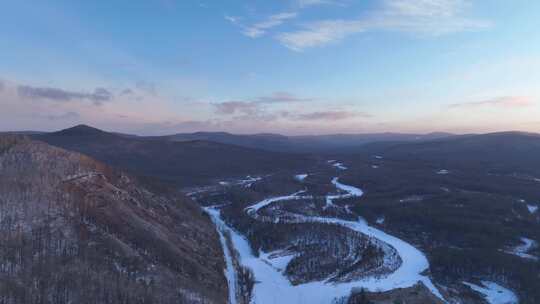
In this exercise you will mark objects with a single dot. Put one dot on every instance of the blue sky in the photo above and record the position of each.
(283, 66)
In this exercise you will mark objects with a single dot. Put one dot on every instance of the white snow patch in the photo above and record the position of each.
(340, 166)
(375, 166)
(494, 293)
(191, 296)
(337, 164)
(378, 157)
(246, 182)
(412, 199)
(380, 220)
(278, 259)
(249, 181)
(330, 201)
(268, 201)
(443, 172)
(300, 177)
(526, 246)
(532, 208)
(192, 193)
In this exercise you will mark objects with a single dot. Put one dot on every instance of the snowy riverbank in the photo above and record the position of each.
(274, 288)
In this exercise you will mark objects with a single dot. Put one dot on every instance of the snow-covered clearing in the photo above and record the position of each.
(278, 259)
(532, 208)
(245, 182)
(526, 246)
(340, 166)
(268, 201)
(273, 287)
(300, 177)
(337, 164)
(412, 199)
(494, 293)
(248, 181)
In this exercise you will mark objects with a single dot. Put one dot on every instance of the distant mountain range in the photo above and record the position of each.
(177, 158)
(185, 163)
(263, 141)
(303, 144)
(502, 152)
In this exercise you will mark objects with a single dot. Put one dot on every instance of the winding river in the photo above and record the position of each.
(273, 287)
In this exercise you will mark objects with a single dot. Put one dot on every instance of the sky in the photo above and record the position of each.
(293, 67)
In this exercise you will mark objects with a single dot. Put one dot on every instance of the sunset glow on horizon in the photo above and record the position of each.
(293, 67)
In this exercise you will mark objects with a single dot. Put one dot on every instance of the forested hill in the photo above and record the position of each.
(503, 152)
(189, 163)
(74, 230)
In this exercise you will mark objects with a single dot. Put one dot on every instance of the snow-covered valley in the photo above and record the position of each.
(281, 229)
(407, 264)
(494, 293)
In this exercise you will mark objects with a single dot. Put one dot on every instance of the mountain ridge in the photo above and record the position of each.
(78, 231)
(176, 162)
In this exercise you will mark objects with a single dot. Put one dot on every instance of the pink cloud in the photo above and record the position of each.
(332, 115)
(506, 101)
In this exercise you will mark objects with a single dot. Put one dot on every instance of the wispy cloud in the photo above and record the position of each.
(99, 95)
(171, 127)
(320, 33)
(232, 19)
(281, 97)
(260, 109)
(259, 29)
(256, 105)
(332, 115)
(506, 102)
(428, 17)
(424, 17)
(64, 116)
(308, 3)
(147, 87)
(277, 106)
(126, 92)
(234, 107)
